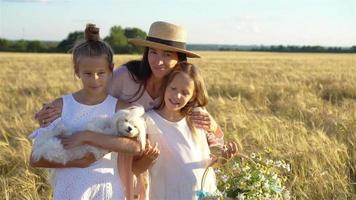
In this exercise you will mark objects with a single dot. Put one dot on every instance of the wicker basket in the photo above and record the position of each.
(206, 171)
(209, 167)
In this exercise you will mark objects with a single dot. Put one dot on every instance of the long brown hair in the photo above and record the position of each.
(200, 94)
(140, 71)
(91, 46)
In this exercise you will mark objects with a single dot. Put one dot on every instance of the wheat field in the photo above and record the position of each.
(301, 106)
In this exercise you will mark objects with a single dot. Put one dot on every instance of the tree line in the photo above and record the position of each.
(118, 36)
(281, 48)
(117, 39)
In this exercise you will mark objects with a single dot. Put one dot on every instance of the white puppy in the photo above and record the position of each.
(126, 122)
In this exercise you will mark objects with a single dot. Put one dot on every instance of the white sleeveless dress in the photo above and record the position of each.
(178, 171)
(99, 181)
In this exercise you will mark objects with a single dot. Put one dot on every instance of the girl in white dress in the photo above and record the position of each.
(176, 170)
(87, 179)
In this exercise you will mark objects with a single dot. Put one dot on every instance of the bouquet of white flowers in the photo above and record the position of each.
(254, 177)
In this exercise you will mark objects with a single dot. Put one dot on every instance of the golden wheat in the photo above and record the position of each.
(302, 106)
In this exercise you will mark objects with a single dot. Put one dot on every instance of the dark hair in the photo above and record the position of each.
(91, 46)
(140, 71)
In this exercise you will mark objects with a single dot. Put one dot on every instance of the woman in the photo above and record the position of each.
(141, 81)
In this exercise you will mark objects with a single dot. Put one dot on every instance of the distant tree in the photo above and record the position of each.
(353, 49)
(20, 45)
(134, 33)
(35, 46)
(4, 45)
(117, 39)
(68, 43)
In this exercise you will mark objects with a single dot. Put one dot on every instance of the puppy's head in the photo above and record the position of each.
(130, 122)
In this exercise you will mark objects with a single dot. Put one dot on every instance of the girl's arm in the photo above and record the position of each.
(142, 163)
(87, 160)
(108, 142)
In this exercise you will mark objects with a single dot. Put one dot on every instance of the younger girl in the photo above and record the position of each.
(93, 64)
(177, 168)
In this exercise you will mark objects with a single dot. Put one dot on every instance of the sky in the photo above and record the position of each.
(235, 22)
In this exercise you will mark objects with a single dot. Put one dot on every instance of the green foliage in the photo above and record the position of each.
(134, 33)
(4, 45)
(117, 39)
(68, 43)
(35, 46)
(21, 45)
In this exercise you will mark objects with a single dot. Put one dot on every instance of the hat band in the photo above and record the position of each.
(180, 45)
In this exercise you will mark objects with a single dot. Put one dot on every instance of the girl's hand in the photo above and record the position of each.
(150, 154)
(148, 157)
(48, 113)
(203, 120)
(86, 161)
(230, 150)
(74, 140)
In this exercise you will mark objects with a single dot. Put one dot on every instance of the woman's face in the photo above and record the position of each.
(161, 62)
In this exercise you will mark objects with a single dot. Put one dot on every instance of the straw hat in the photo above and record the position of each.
(165, 36)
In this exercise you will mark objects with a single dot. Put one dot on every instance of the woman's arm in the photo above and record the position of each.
(49, 112)
(108, 142)
(87, 160)
(141, 163)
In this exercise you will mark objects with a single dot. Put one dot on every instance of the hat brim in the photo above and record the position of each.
(146, 43)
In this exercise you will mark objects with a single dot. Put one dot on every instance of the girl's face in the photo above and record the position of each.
(178, 92)
(161, 62)
(95, 74)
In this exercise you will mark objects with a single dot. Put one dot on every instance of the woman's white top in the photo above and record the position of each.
(99, 181)
(178, 171)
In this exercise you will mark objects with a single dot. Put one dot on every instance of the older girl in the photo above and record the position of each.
(86, 178)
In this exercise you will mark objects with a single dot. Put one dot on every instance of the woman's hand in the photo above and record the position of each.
(202, 119)
(48, 113)
(74, 140)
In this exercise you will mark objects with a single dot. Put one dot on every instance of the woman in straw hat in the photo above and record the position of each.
(140, 82)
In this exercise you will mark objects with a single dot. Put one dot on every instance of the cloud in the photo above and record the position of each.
(245, 24)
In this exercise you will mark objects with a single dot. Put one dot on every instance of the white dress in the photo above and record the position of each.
(178, 171)
(99, 181)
